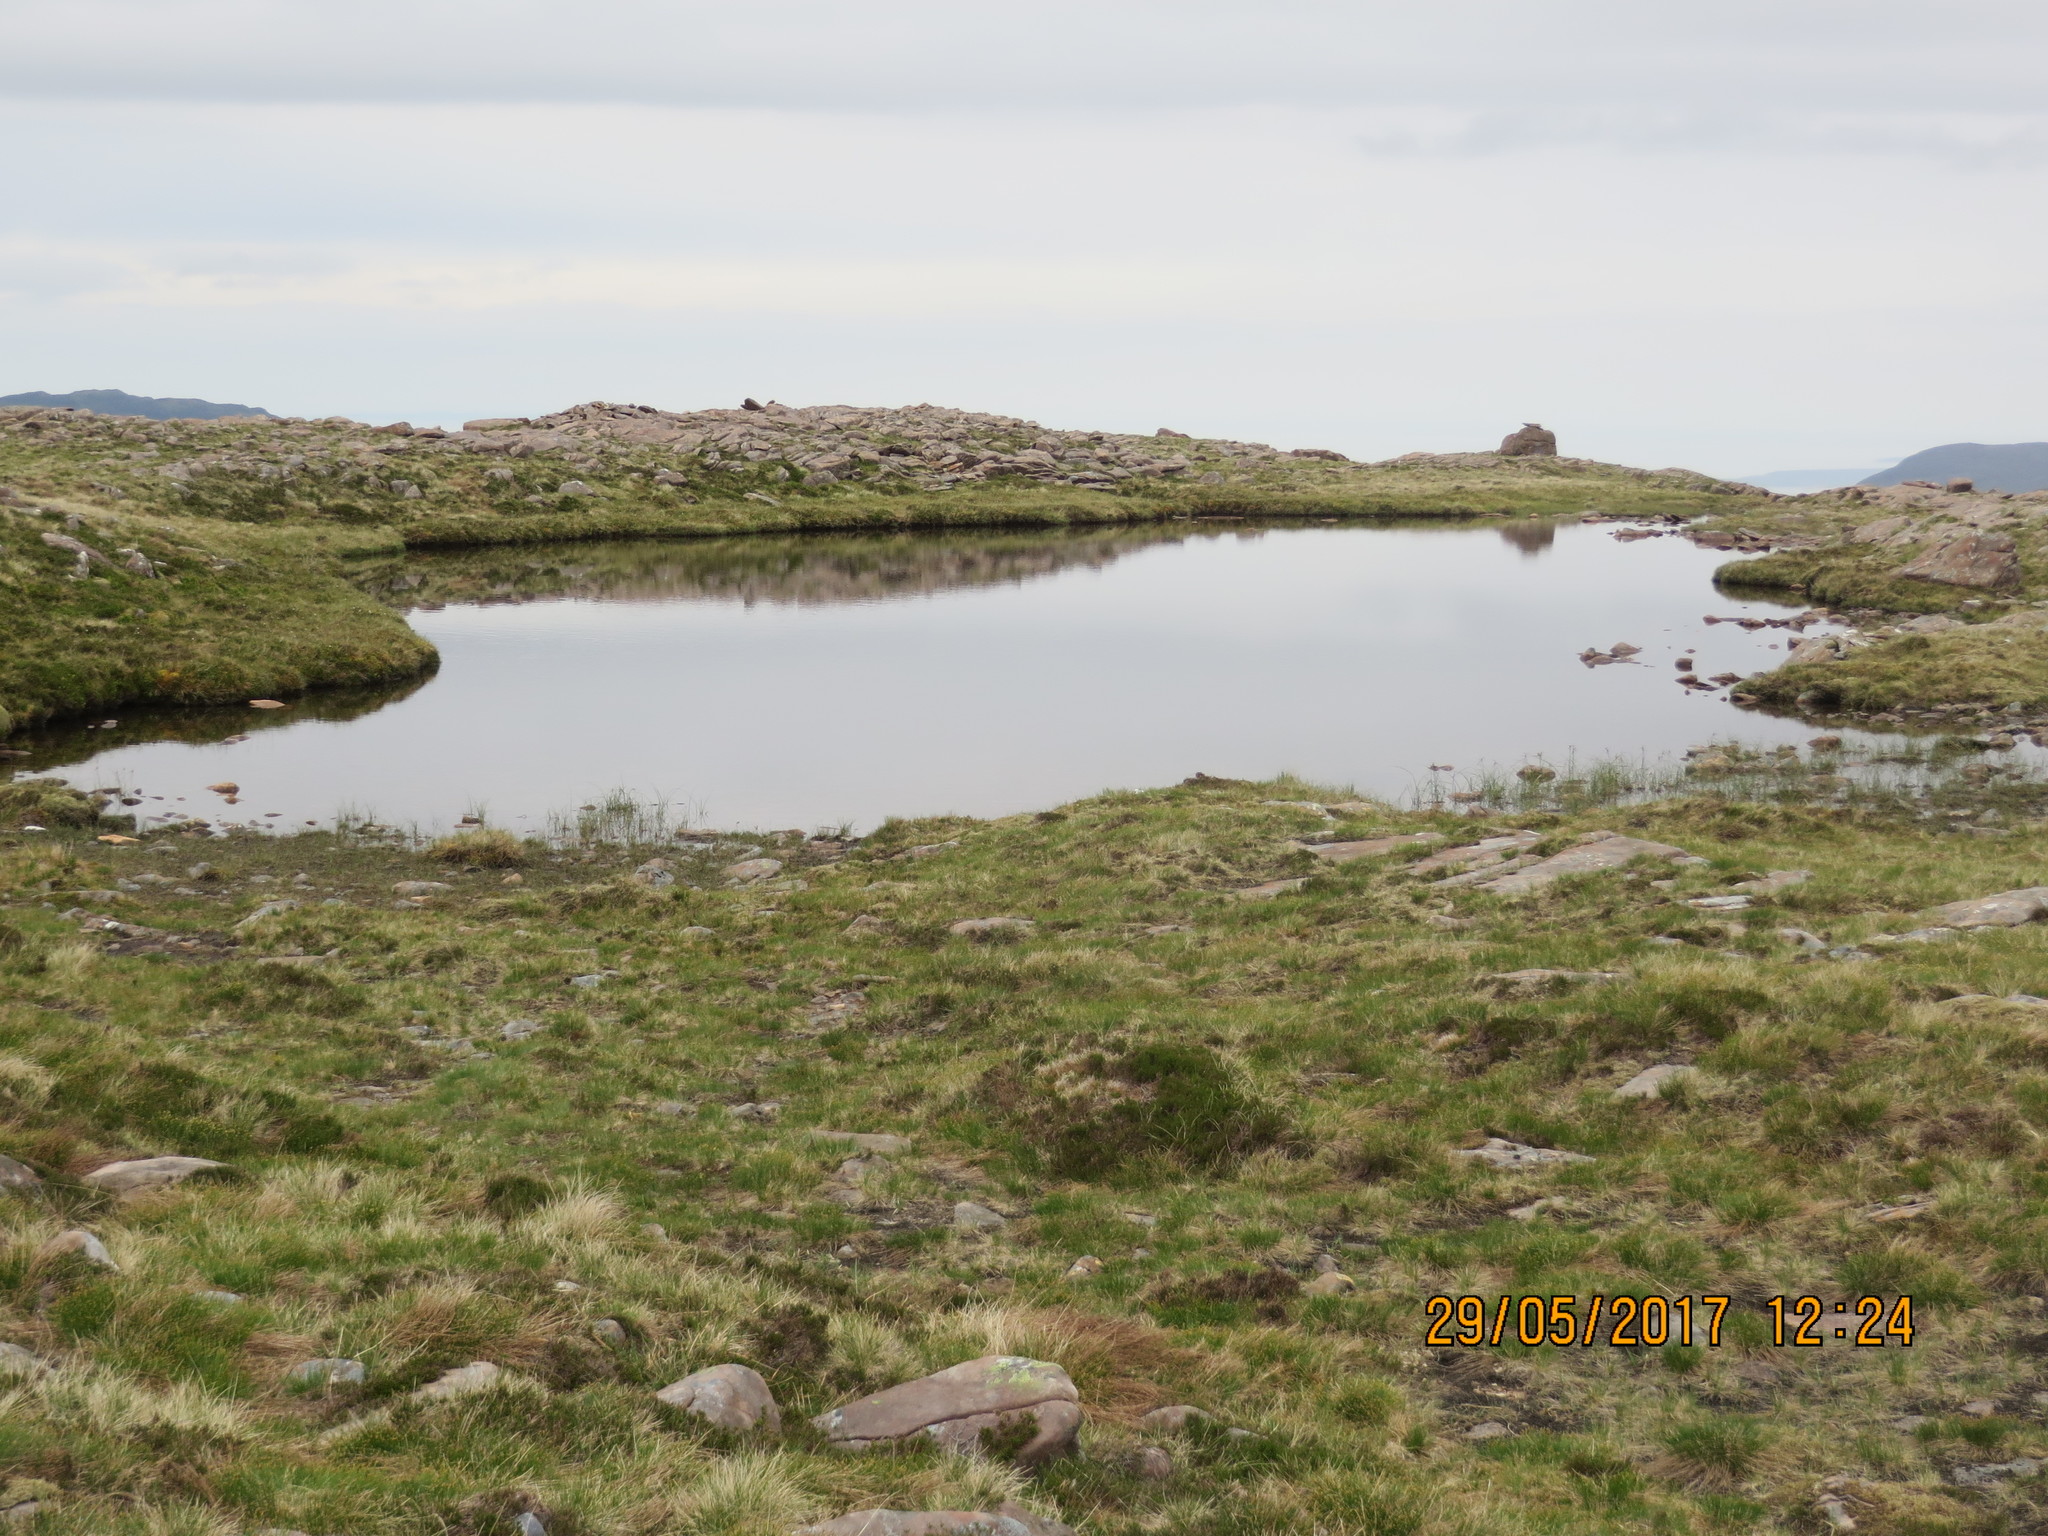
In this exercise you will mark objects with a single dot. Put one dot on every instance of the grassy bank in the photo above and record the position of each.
(258, 524)
(1851, 547)
(1216, 1098)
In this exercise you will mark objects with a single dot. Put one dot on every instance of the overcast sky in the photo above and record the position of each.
(1745, 237)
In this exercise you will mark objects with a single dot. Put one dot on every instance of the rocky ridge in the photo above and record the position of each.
(677, 454)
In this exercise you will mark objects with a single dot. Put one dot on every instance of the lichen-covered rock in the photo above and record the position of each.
(1002, 1395)
(729, 1396)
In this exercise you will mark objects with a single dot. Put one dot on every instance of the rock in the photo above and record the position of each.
(1774, 881)
(1492, 1429)
(225, 787)
(1649, 1083)
(752, 871)
(17, 1176)
(696, 932)
(477, 1376)
(1500, 1153)
(609, 1330)
(867, 1141)
(1530, 440)
(80, 1242)
(223, 1298)
(327, 1373)
(135, 1175)
(1535, 1208)
(1490, 850)
(1009, 1520)
(1996, 1472)
(977, 927)
(655, 874)
(22, 1511)
(421, 888)
(1083, 1268)
(1270, 889)
(1541, 983)
(1598, 851)
(527, 1523)
(865, 924)
(16, 1361)
(926, 850)
(2006, 909)
(1967, 558)
(729, 1396)
(1332, 1284)
(954, 1406)
(268, 909)
(520, 1029)
(1981, 1408)
(760, 1114)
(1152, 1463)
(969, 1217)
(1371, 847)
(1174, 1420)
(266, 704)
(1719, 903)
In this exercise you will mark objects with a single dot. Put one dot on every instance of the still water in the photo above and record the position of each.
(808, 682)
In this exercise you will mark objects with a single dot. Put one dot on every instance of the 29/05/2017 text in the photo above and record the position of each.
(1635, 1322)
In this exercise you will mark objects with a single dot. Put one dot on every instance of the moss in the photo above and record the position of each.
(1993, 664)
(1843, 579)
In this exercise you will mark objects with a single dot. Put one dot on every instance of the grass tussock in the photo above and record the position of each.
(444, 1150)
(486, 848)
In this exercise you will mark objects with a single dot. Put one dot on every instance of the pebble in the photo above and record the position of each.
(609, 1330)
(327, 1373)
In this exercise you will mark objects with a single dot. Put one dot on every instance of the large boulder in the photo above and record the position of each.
(1007, 1520)
(1006, 1394)
(1529, 441)
(1968, 558)
(730, 1396)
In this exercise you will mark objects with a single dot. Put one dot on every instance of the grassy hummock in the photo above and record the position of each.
(523, 1120)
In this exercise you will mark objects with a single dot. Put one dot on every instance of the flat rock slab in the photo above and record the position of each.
(2007, 909)
(730, 1396)
(1009, 1520)
(867, 1141)
(980, 927)
(1649, 1083)
(138, 1174)
(1486, 851)
(1601, 850)
(952, 1407)
(1500, 1153)
(1541, 983)
(477, 1376)
(1270, 889)
(1985, 560)
(1773, 881)
(1371, 847)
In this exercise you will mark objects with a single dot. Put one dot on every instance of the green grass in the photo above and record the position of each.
(1287, 1079)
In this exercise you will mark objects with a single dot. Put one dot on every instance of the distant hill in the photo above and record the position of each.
(118, 402)
(1993, 466)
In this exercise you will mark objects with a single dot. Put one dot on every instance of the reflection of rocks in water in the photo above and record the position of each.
(1531, 538)
(63, 743)
(801, 570)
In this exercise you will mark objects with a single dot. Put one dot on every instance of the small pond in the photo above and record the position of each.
(810, 682)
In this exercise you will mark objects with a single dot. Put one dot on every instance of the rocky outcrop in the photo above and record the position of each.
(1529, 441)
(1599, 850)
(1003, 1397)
(1965, 558)
(2007, 909)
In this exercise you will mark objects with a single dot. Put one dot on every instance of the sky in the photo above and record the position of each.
(1740, 238)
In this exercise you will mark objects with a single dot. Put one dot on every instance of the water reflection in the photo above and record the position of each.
(810, 681)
